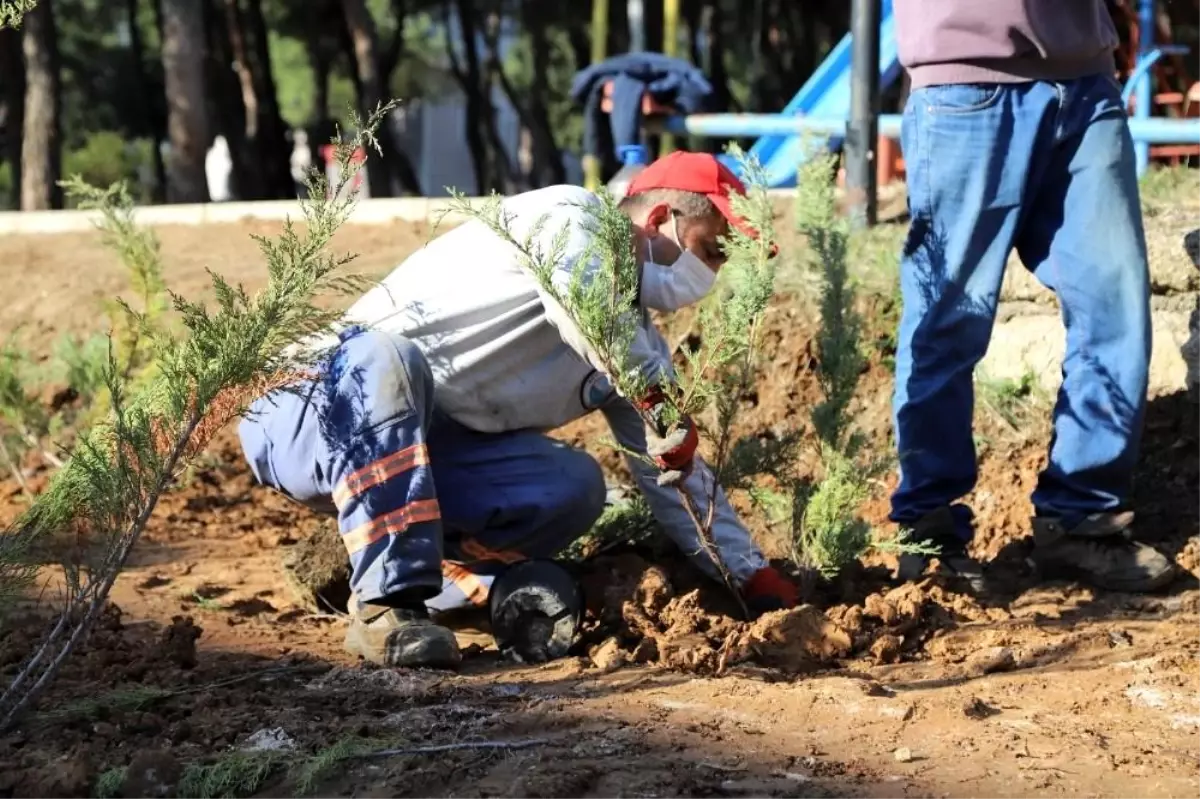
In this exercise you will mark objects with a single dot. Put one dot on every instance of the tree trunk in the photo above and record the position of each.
(153, 122)
(12, 110)
(547, 156)
(479, 118)
(321, 69)
(251, 180)
(227, 112)
(272, 129)
(41, 146)
(371, 94)
(187, 117)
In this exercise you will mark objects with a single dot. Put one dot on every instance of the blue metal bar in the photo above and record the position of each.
(1144, 64)
(1143, 85)
(1151, 130)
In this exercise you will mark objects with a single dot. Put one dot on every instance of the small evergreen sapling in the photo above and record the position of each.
(103, 497)
(827, 532)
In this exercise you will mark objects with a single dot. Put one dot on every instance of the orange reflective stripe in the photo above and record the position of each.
(394, 523)
(467, 582)
(378, 472)
(478, 551)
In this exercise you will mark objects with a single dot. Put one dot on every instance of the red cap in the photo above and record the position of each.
(700, 173)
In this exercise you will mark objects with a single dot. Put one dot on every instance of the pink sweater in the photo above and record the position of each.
(1003, 41)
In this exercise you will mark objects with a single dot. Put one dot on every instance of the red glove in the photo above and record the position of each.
(674, 451)
(768, 590)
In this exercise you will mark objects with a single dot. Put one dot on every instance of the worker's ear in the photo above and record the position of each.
(658, 216)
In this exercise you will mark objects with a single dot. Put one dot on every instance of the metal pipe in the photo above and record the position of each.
(670, 47)
(1151, 130)
(718, 126)
(1144, 87)
(862, 134)
(637, 25)
(599, 32)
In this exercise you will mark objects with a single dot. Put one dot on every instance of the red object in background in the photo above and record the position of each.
(358, 181)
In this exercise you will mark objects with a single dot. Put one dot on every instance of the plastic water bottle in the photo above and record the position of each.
(634, 158)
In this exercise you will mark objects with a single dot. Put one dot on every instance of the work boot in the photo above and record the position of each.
(1101, 551)
(403, 637)
(939, 529)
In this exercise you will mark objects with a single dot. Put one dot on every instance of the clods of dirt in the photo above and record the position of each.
(639, 615)
(179, 641)
(317, 572)
(791, 640)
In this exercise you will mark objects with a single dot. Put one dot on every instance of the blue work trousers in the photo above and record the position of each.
(421, 501)
(1048, 169)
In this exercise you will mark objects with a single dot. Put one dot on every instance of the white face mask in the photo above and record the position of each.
(669, 288)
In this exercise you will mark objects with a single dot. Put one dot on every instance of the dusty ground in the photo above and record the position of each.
(914, 690)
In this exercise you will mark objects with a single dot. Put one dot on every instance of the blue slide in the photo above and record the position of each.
(825, 94)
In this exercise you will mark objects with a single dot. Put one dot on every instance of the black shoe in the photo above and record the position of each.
(1100, 551)
(939, 529)
(400, 637)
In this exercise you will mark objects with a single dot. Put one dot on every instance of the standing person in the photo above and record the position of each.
(424, 430)
(1015, 136)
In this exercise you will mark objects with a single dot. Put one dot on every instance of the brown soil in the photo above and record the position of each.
(872, 688)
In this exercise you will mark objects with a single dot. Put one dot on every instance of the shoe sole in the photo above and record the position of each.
(1057, 571)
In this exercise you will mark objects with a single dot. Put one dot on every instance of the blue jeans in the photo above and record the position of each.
(422, 502)
(1047, 168)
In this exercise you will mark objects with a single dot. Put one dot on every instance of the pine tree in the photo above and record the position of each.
(98, 503)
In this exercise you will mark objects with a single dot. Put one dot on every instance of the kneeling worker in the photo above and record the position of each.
(423, 430)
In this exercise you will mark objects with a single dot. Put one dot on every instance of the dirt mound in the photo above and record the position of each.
(639, 616)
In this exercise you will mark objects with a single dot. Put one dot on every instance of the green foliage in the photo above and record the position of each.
(139, 252)
(725, 366)
(838, 343)
(103, 496)
(108, 784)
(105, 158)
(831, 534)
(1020, 404)
(320, 766)
(12, 11)
(822, 517)
(82, 362)
(95, 708)
(235, 774)
(629, 522)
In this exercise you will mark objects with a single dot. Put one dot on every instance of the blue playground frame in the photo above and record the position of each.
(823, 106)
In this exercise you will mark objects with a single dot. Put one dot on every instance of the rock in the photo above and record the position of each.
(993, 659)
(1191, 356)
(153, 774)
(609, 656)
(886, 649)
(272, 740)
(976, 708)
(903, 755)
